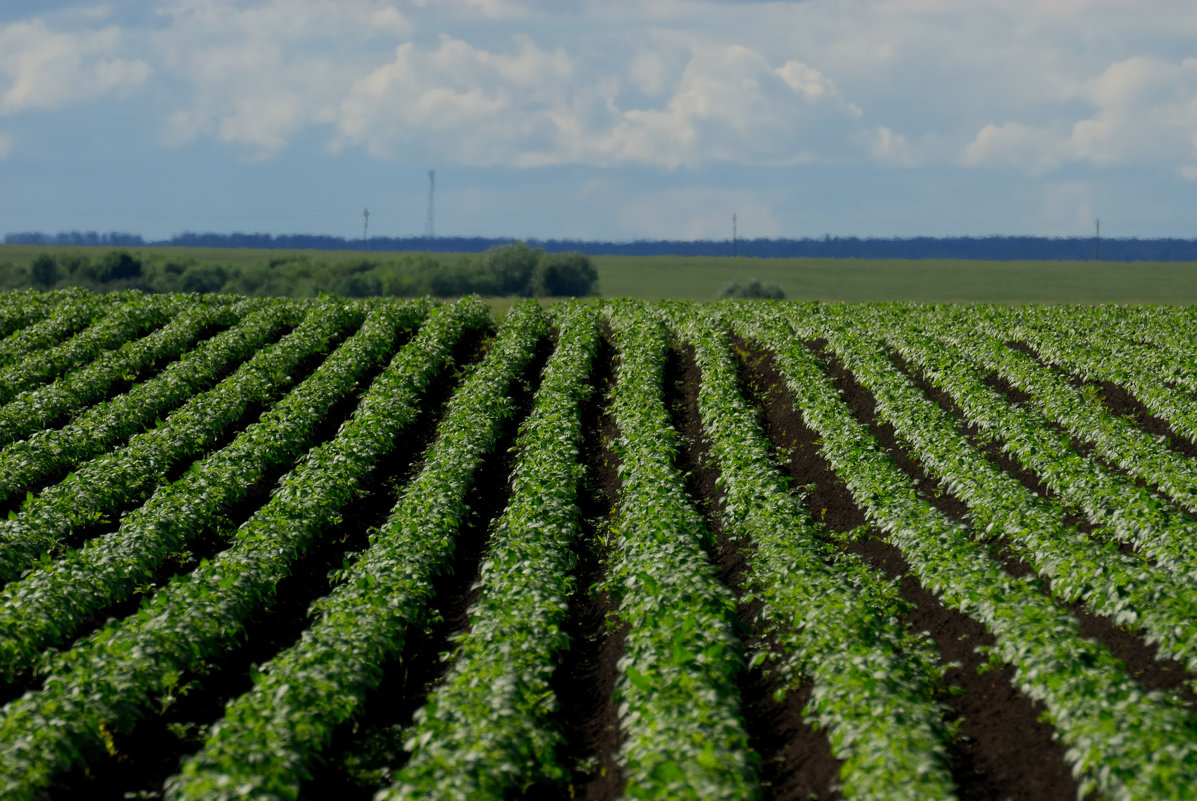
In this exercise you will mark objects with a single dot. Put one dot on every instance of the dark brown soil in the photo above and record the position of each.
(364, 750)
(584, 682)
(1003, 750)
(1131, 647)
(990, 447)
(1119, 401)
(796, 763)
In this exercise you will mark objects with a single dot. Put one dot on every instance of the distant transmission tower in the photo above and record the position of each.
(1097, 241)
(735, 238)
(429, 224)
(365, 224)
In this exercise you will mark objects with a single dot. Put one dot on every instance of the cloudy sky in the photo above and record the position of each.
(613, 120)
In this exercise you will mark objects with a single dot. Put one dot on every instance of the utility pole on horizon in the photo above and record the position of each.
(365, 224)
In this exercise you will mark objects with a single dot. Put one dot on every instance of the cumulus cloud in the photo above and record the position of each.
(1013, 144)
(487, 104)
(533, 106)
(1145, 112)
(42, 69)
(259, 75)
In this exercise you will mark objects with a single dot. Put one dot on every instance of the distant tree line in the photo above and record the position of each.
(504, 270)
(1002, 248)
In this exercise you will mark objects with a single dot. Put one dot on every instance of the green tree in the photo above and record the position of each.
(752, 288)
(118, 265)
(43, 272)
(510, 267)
(564, 275)
(204, 278)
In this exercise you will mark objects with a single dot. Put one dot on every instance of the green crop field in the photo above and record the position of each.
(267, 548)
(703, 278)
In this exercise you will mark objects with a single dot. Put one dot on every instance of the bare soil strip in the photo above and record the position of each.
(1131, 647)
(363, 754)
(1015, 395)
(993, 448)
(1003, 750)
(147, 756)
(585, 681)
(1119, 401)
(796, 760)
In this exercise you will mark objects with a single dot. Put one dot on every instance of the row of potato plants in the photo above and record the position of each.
(1125, 588)
(38, 407)
(1165, 329)
(135, 316)
(1162, 378)
(1170, 358)
(44, 320)
(1078, 410)
(103, 426)
(102, 485)
(1128, 512)
(1136, 369)
(490, 728)
(683, 734)
(115, 676)
(1122, 740)
(48, 605)
(836, 622)
(1159, 328)
(19, 310)
(268, 738)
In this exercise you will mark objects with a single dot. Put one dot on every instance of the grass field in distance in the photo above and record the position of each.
(850, 280)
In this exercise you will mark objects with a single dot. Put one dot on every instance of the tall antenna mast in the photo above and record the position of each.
(735, 240)
(429, 224)
(365, 223)
(1097, 241)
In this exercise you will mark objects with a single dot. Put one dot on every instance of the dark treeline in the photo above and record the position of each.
(513, 269)
(999, 248)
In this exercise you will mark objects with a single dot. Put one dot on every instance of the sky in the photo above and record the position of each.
(612, 120)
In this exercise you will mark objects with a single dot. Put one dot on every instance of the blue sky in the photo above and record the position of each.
(615, 120)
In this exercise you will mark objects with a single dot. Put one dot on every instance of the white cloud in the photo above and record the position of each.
(804, 80)
(490, 9)
(283, 20)
(650, 72)
(42, 69)
(483, 106)
(260, 75)
(534, 107)
(891, 148)
(1013, 144)
(1145, 113)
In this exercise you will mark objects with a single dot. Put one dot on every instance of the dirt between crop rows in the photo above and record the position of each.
(1132, 648)
(1003, 750)
(1118, 401)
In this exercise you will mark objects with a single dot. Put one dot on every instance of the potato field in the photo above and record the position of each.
(398, 549)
